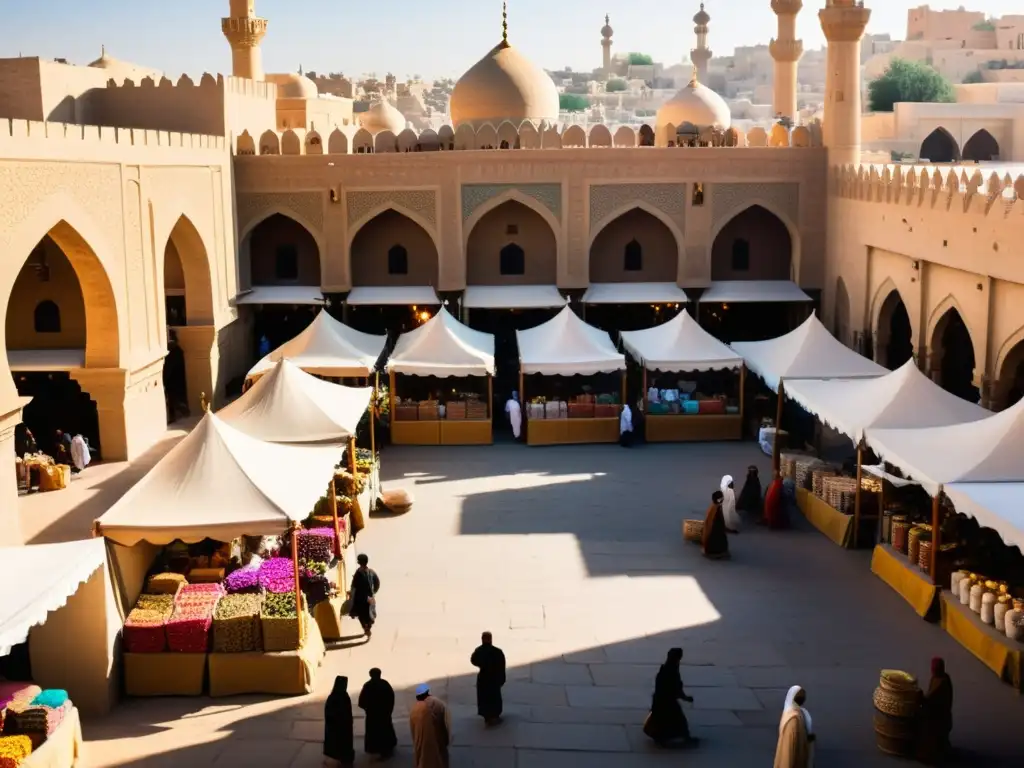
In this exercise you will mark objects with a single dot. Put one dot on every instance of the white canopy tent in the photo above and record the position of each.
(999, 506)
(327, 348)
(679, 345)
(220, 483)
(443, 347)
(634, 293)
(288, 405)
(512, 297)
(566, 346)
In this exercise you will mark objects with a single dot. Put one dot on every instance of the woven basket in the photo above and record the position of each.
(281, 634)
(693, 530)
(914, 544)
(241, 633)
(902, 704)
(897, 681)
(817, 480)
(924, 555)
(900, 528)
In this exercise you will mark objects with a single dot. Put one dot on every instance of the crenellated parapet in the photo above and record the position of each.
(967, 189)
(15, 134)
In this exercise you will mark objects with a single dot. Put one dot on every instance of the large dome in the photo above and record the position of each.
(294, 86)
(695, 104)
(504, 85)
(382, 117)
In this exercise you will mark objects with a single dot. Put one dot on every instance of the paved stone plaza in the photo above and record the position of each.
(573, 558)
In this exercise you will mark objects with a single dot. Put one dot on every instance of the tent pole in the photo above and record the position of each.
(522, 396)
(298, 589)
(352, 457)
(391, 402)
(373, 415)
(743, 386)
(857, 494)
(881, 508)
(490, 396)
(936, 535)
(624, 386)
(776, 457)
(332, 498)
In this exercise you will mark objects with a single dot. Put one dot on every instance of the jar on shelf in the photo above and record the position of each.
(1002, 605)
(914, 543)
(965, 589)
(955, 580)
(988, 604)
(1013, 625)
(900, 527)
(977, 590)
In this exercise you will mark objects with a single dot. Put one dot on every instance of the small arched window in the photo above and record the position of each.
(398, 260)
(513, 260)
(633, 258)
(740, 255)
(286, 263)
(47, 317)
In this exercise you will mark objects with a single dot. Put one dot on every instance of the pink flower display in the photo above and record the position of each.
(277, 575)
(316, 544)
(243, 580)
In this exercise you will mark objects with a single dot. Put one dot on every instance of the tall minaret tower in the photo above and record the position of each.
(606, 46)
(700, 56)
(786, 50)
(843, 22)
(244, 31)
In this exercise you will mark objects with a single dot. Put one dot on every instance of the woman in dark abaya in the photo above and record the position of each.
(714, 541)
(338, 739)
(666, 724)
(362, 595)
(749, 500)
(377, 700)
(936, 717)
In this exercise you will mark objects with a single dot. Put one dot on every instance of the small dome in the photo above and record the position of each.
(504, 85)
(109, 62)
(294, 86)
(701, 18)
(382, 116)
(696, 104)
(606, 30)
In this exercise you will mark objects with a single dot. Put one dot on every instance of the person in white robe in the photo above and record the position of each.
(795, 748)
(732, 517)
(515, 414)
(80, 456)
(626, 427)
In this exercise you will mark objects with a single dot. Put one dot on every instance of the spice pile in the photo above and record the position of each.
(236, 624)
(29, 716)
(188, 629)
(144, 627)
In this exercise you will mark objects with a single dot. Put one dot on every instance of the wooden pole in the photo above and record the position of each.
(856, 495)
(490, 396)
(352, 457)
(776, 456)
(332, 500)
(391, 399)
(936, 535)
(644, 393)
(624, 386)
(743, 388)
(881, 508)
(373, 415)
(298, 588)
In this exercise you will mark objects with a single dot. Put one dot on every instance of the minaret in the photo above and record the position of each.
(786, 50)
(700, 56)
(843, 22)
(244, 31)
(606, 46)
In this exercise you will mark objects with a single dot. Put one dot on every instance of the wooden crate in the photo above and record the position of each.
(427, 410)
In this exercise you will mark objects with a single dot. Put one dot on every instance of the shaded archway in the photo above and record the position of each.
(953, 356)
(282, 252)
(981, 147)
(1010, 386)
(188, 287)
(939, 146)
(894, 343)
(635, 247)
(754, 245)
(493, 248)
(392, 249)
(841, 313)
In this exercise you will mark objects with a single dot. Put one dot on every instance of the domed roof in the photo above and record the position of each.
(294, 86)
(504, 85)
(696, 104)
(701, 18)
(109, 62)
(606, 30)
(382, 116)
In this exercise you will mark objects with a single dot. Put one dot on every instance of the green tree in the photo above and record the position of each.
(908, 81)
(615, 86)
(572, 102)
(640, 59)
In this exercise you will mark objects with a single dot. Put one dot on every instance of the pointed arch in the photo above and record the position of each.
(636, 243)
(408, 213)
(939, 146)
(362, 142)
(508, 135)
(270, 143)
(939, 312)
(600, 136)
(464, 137)
(314, 143)
(982, 147)
(625, 137)
(288, 253)
(892, 327)
(792, 267)
(393, 247)
(407, 140)
(574, 136)
(519, 197)
(512, 242)
(1007, 348)
(487, 137)
(954, 356)
(1008, 371)
(385, 141)
(595, 228)
(188, 243)
(291, 143)
(841, 313)
(245, 144)
(337, 143)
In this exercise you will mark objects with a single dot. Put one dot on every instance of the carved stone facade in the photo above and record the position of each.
(727, 200)
(476, 195)
(609, 199)
(422, 202)
(307, 207)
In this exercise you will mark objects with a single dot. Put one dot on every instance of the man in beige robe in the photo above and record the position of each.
(794, 749)
(431, 730)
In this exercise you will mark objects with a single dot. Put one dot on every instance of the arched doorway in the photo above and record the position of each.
(981, 147)
(939, 146)
(953, 355)
(1010, 388)
(390, 250)
(894, 336)
(841, 313)
(281, 252)
(61, 317)
(511, 244)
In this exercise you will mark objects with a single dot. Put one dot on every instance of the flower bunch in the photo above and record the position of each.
(316, 544)
(277, 575)
(243, 580)
(279, 606)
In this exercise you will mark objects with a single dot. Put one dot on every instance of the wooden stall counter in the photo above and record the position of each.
(830, 521)
(912, 584)
(62, 748)
(466, 432)
(994, 649)
(164, 674)
(416, 432)
(572, 431)
(284, 673)
(681, 428)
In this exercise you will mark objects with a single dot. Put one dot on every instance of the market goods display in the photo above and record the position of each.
(165, 583)
(243, 581)
(277, 575)
(188, 629)
(316, 544)
(236, 624)
(34, 721)
(896, 701)
(1013, 622)
(279, 622)
(144, 627)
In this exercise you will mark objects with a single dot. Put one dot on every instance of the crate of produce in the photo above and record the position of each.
(427, 410)
(144, 626)
(243, 581)
(455, 410)
(581, 410)
(551, 410)
(199, 593)
(236, 624)
(407, 412)
(476, 409)
(585, 399)
(838, 492)
(165, 583)
(715, 406)
(317, 544)
(188, 629)
(606, 411)
(279, 623)
(818, 476)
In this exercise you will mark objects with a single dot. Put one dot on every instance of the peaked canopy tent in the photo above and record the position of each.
(443, 348)
(567, 346)
(902, 399)
(807, 352)
(674, 347)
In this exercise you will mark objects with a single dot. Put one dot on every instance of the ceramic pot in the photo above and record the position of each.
(988, 604)
(999, 613)
(976, 592)
(1012, 625)
(965, 590)
(955, 580)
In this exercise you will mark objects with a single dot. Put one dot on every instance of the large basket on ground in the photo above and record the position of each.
(397, 502)
(237, 625)
(693, 530)
(896, 701)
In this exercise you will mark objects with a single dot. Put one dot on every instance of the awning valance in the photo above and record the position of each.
(512, 297)
(443, 347)
(282, 294)
(393, 295)
(634, 293)
(679, 345)
(750, 291)
(566, 346)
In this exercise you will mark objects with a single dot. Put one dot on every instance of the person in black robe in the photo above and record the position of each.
(935, 720)
(338, 739)
(714, 541)
(666, 724)
(749, 500)
(377, 700)
(362, 595)
(490, 660)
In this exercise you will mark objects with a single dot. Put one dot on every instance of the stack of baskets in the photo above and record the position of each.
(279, 622)
(818, 476)
(802, 469)
(455, 410)
(896, 701)
(236, 624)
(924, 552)
(914, 543)
(839, 492)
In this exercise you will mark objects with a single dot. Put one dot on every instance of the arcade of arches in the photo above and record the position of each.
(511, 244)
(939, 146)
(754, 245)
(636, 247)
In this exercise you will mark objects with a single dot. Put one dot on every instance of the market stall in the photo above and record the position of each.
(808, 352)
(567, 346)
(437, 352)
(707, 404)
(973, 473)
(904, 398)
(182, 557)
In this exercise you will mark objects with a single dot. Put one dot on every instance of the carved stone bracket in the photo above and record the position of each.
(475, 195)
(670, 199)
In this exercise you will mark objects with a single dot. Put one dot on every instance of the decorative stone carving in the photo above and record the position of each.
(729, 199)
(670, 199)
(309, 205)
(475, 195)
(422, 202)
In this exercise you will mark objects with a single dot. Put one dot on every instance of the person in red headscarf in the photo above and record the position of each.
(935, 718)
(774, 505)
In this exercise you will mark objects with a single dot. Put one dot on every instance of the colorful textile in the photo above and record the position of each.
(51, 697)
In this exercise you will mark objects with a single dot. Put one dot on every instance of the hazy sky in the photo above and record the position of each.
(406, 36)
